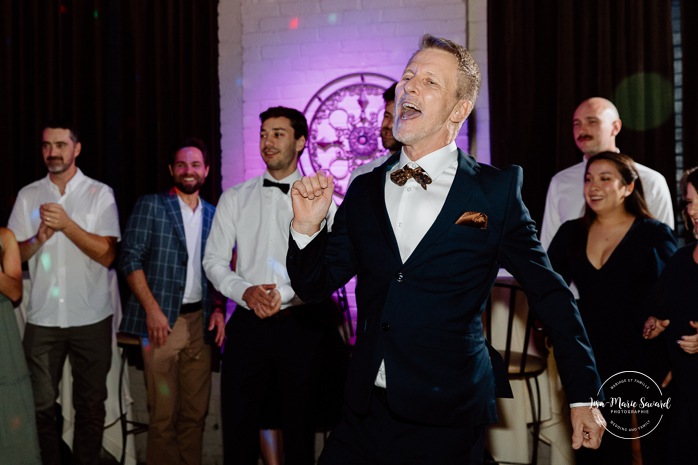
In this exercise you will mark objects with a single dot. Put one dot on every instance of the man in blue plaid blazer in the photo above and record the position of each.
(171, 307)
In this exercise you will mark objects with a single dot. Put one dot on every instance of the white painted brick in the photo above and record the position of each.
(425, 13)
(360, 17)
(365, 46)
(338, 32)
(321, 21)
(339, 5)
(299, 8)
(477, 10)
(420, 3)
(381, 4)
(260, 10)
(272, 52)
(274, 23)
(379, 29)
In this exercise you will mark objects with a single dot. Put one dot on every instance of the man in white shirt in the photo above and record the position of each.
(275, 342)
(425, 236)
(67, 226)
(595, 125)
(388, 140)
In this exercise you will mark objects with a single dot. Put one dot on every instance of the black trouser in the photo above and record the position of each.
(89, 350)
(286, 352)
(382, 438)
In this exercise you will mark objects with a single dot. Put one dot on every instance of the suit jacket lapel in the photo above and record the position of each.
(175, 213)
(207, 220)
(464, 186)
(377, 202)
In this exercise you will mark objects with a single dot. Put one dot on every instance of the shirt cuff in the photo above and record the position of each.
(581, 404)
(301, 239)
(287, 293)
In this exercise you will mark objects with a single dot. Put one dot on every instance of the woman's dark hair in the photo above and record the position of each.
(690, 176)
(635, 203)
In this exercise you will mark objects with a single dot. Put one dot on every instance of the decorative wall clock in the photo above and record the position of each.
(344, 123)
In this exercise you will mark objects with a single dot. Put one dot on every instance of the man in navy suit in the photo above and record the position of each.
(172, 306)
(426, 234)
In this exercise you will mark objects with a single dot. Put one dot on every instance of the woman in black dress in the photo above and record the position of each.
(679, 329)
(615, 254)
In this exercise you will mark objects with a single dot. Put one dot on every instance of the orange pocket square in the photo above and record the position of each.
(473, 219)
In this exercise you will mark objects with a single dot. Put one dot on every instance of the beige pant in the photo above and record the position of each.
(178, 381)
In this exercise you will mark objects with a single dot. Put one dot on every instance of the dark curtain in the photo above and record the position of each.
(134, 76)
(689, 42)
(547, 56)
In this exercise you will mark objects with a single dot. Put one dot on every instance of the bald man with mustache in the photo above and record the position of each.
(595, 125)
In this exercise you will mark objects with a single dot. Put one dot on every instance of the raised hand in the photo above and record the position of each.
(311, 197)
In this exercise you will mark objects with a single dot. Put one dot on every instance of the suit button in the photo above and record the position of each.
(400, 277)
(385, 326)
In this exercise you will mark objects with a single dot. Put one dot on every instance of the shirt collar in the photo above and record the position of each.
(75, 181)
(433, 163)
(183, 204)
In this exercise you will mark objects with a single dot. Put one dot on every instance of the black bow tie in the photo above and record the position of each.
(284, 187)
(401, 176)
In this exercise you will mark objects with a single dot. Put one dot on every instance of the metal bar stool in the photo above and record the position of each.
(520, 363)
(130, 354)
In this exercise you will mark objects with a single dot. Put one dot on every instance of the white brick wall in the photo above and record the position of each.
(280, 52)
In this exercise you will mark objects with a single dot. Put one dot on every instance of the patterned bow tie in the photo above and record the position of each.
(284, 187)
(401, 176)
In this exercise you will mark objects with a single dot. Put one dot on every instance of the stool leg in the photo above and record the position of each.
(535, 416)
(122, 414)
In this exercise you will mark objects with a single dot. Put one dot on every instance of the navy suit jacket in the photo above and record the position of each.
(154, 241)
(423, 317)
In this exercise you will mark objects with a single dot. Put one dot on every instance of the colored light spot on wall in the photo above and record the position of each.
(46, 261)
(293, 24)
(164, 389)
(644, 100)
(16, 423)
(62, 9)
(55, 292)
(332, 18)
(96, 14)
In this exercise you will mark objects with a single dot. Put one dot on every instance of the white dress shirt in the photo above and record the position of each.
(254, 220)
(69, 289)
(193, 222)
(565, 198)
(413, 210)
